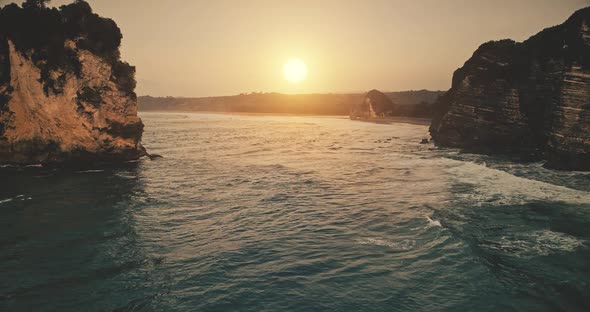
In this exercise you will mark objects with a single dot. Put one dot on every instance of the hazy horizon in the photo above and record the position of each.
(222, 48)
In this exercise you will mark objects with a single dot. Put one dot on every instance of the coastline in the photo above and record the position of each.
(240, 113)
(396, 119)
(384, 120)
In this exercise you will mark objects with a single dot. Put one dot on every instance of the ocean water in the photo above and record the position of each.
(279, 213)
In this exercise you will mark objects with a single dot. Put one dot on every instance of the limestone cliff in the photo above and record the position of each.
(64, 93)
(531, 98)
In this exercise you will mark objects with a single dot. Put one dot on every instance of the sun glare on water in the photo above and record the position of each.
(295, 70)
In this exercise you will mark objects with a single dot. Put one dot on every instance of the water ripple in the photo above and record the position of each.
(269, 213)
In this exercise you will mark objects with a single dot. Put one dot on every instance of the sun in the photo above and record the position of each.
(295, 70)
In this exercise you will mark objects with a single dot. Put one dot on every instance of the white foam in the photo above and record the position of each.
(496, 187)
(5, 200)
(35, 165)
(405, 244)
(538, 243)
(433, 222)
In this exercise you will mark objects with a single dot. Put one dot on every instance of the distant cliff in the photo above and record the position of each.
(376, 104)
(531, 98)
(277, 103)
(64, 93)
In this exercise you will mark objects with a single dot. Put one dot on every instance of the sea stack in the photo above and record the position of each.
(65, 95)
(531, 98)
(375, 104)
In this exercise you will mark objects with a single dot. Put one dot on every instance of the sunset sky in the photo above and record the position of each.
(226, 47)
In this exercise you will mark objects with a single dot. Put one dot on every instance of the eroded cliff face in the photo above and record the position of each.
(531, 98)
(78, 107)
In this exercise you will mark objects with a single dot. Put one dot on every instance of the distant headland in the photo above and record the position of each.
(412, 103)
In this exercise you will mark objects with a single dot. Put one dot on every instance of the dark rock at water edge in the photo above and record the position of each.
(155, 156)
(531, 98)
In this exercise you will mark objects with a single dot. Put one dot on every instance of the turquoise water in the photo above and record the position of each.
(267, 213)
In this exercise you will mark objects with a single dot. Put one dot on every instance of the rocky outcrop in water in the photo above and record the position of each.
(378, 105)
(65, 95)
(531, 98)
(374, 104)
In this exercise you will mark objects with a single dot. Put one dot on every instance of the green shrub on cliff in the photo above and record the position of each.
(40, 33)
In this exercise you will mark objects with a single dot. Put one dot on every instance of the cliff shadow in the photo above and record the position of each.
(74, 230)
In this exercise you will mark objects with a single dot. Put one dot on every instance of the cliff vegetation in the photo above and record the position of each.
(65, 93)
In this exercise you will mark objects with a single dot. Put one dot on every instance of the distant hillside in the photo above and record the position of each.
(310, 104)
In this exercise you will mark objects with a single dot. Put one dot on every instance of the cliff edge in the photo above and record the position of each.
(65, 95)
(531, 98)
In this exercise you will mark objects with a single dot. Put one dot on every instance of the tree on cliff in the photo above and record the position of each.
(35, 4)
(57, 48)
(44, 30)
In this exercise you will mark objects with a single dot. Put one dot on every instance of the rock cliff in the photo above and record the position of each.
(374, 104)
(531, 98)
(65, 95)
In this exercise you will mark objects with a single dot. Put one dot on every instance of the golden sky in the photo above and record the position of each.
(226, 47)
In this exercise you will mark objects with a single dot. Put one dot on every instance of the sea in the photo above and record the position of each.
(294, 213)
